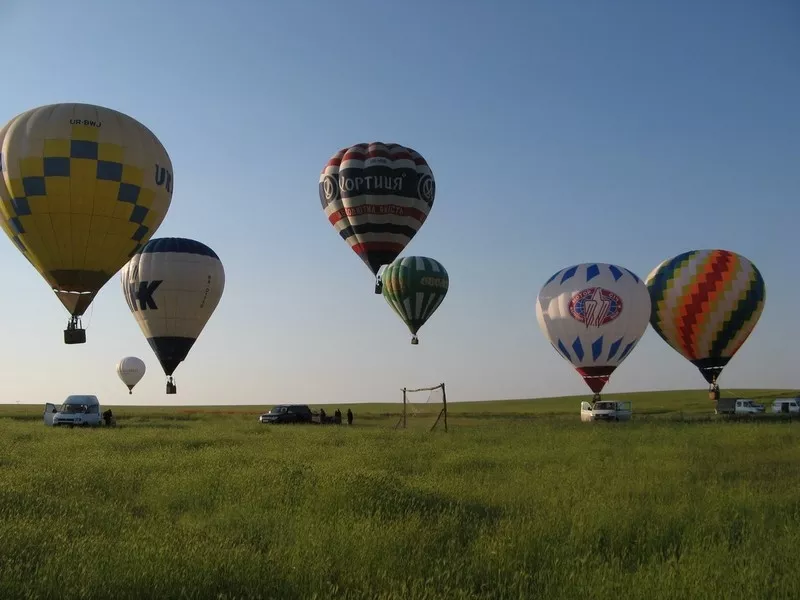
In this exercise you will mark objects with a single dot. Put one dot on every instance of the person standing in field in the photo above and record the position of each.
(349, 417)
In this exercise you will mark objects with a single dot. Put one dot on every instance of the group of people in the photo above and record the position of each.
(336, 418)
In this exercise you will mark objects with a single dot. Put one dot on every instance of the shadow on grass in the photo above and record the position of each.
(387, 495)
(22, 417)
(150, 425)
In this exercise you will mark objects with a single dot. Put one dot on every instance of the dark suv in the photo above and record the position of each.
(287, 413)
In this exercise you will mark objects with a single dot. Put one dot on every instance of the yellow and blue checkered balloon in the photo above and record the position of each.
(83, 188)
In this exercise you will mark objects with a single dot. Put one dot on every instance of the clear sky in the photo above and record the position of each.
(559, 132)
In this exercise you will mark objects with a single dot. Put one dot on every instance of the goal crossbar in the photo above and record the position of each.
(427, 389)
(442, 412)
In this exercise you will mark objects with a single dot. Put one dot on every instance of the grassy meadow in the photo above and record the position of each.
(518, 500)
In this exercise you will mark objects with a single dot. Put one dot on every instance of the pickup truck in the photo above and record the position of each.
(287, 413)
(737, 406)
(606, 410)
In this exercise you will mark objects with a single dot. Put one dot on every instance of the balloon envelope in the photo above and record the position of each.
(172, 286)
(83, 187)
(414, 287)
(130, 370)
(594, 314)
(705, 304)
(377, 196)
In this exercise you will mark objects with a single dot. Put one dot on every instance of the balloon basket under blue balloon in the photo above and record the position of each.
(171, 387)
(414, 341)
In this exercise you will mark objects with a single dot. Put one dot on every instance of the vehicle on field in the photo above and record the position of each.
(737, 406)
(607, 410)
(79, 410)
(287, 413)
(786, 405)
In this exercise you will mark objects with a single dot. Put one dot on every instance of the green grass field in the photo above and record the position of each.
(518, 500)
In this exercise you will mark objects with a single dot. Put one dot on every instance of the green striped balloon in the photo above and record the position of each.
(414, 287)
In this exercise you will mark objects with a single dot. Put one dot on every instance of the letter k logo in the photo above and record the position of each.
(145, 294)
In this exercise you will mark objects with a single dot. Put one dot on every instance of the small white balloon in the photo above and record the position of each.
(130, 370)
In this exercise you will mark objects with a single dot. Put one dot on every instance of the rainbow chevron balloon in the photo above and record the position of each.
(705, 304)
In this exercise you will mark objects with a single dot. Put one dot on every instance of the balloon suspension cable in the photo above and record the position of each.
(91, 313)
(414, 340)
(596, 398)
(74, 323)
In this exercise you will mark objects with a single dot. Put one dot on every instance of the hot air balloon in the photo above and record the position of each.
(705, 304)
(414, 287)
(83, 188)
(130, 370)
(172, 286)
(377, 196)
(594, 314)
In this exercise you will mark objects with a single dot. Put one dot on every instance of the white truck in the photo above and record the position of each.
(737, 406)
(606, 410)
(79, 410)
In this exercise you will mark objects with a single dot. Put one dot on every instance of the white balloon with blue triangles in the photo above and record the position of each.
(594, 314)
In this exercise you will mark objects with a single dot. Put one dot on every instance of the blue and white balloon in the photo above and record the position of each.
(172, 286)
(594, 314)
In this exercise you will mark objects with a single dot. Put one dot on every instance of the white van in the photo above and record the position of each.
(786, 405)
(606, 410)
(81, 410)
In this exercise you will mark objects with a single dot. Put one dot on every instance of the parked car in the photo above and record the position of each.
(607, 410)
(287, 413)
(786, 405)
(77, 410)
(737, 406)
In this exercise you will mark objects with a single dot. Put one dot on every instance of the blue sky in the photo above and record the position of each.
(559, 132)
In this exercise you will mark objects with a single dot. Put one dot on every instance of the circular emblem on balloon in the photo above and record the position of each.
(330, 189)
(595, 306)
(426, 189)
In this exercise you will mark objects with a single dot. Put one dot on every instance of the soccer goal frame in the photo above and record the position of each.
(442, 413)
